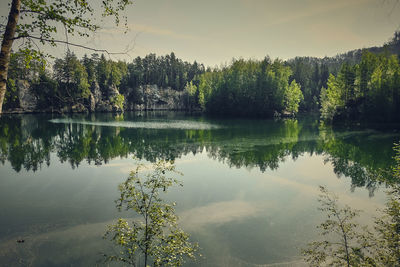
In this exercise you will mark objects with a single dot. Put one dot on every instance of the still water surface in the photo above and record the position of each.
(249, 194)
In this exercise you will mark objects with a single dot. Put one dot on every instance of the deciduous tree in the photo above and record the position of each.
(41, 20)
(155, 236)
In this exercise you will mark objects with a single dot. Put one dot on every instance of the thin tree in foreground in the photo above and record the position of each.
(388, 231)
(154, 237)
(346, 243)
(388, 226)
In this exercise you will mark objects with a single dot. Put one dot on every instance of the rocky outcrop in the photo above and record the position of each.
(92, 103)
(27, 100)
(147, 97)
(112, 91)
(96, 93)
(154, 98)
(98, 102)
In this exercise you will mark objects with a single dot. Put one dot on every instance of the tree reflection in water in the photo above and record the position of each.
(27, 141)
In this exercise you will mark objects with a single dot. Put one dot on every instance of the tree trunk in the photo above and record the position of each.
(6, 47)
(146, 252)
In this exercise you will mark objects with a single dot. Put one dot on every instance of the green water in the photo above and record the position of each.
(249, 194)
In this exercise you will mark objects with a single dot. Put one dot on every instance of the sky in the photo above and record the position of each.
(215, 31)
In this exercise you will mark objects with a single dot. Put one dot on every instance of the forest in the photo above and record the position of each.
(361, 85)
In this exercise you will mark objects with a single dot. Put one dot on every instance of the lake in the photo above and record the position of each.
(250, 187)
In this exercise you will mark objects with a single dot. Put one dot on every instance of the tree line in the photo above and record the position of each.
(359, 85)
(247, 88)
(71, 80)
(369, 90)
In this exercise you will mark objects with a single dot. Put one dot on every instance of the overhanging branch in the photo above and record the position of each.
(69, 43)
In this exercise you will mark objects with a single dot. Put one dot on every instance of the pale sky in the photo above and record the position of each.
(215, 31)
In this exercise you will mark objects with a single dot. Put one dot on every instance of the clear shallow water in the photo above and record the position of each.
(249, 194)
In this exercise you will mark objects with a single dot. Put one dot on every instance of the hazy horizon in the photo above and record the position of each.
(215, 32)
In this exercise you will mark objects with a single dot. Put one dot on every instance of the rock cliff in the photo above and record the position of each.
(146, 97)
(27, 100)
(154, 98)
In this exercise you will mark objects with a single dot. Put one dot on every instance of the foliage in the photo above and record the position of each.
(155, 237)
(46, 91)
(353, 245)
(191, 94)
(388, 231)
(293, 97)
(331, 98)
(118, 100)
(369, 90)
(107, 72)
(388, 226)
(164, 71)
(38, 22)
(207, 82)
(45, 19)
(72, 78)
(11, 97)
(249, 88)
(311, 74)
(343, 244)
(18, 70)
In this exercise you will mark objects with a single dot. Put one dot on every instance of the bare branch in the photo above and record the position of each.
(66, 36)
(69, 43)
(31, 11)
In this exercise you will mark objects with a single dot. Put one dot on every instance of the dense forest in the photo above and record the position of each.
(358, 85)
(71, 80)
(369, 90)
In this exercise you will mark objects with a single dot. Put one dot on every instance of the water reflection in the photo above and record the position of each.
(26, 142)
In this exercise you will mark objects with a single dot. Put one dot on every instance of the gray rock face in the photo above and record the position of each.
(95, 89)
(27, 100)
(100, 104)
(112, 91)
(154, 98)
(147, 97)
(92, 103)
